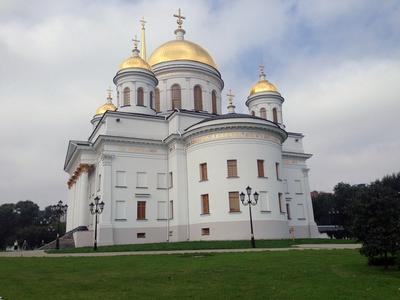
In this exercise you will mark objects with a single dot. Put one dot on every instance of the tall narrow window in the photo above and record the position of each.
(205, 207)
(232, 168)
(275, 115)
(234, 202)
(288, 211)
(157, 96)
(171, 209)
(280, 202)
(127, 96)
(198, 98)
(260, 168)
(141, 210)
(263, 113)
(203, 172)
(214, 102)
(176, 96)
(277, 171)
(140, 97)
(170, 180)
(151, 100)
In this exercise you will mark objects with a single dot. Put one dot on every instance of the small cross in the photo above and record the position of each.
(180, 18)
(230, 95)
(135, 41)
(262, 69)
(109, 91)
(142, 21)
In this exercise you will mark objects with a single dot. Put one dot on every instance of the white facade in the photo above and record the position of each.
(148, 166)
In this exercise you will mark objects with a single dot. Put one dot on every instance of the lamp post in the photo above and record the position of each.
(250, 203)
(96, 208)
(59, 210)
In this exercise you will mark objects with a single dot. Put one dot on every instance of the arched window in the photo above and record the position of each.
(127, 96)
(157, 100)
(263, 113)
(275, 115)
(140, 97)
(214, 102)
(198, 98)
(176, 96)
(253, 113)
(151, 100)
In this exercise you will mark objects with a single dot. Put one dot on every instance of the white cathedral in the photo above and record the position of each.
(170, 165)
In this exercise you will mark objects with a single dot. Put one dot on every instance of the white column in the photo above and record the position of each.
(105, 233)
(70, 210)
(76, 202)
(83, 196)
(188, 100)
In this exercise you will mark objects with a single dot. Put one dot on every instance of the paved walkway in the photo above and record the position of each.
(41, 253)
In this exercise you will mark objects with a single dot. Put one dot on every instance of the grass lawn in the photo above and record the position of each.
(197, 245)
(308, 274)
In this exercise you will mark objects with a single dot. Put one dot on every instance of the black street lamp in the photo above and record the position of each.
(59, 210)
(250, 203)
(96, 209)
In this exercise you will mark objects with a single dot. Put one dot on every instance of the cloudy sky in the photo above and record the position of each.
(337, 63)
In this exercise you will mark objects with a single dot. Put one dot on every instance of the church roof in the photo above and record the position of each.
(233, 116)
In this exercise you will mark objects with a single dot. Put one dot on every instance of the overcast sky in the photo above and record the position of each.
(336, 63)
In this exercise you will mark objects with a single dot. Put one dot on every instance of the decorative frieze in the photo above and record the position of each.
(233, 135)
(82, 168)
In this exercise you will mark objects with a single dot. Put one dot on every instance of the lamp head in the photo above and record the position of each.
(255, 197)
(248, 191)
(91, 207)
(96, 200)
(242, 195)
(101, 206)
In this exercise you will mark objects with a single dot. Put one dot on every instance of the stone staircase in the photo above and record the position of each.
(66, 241)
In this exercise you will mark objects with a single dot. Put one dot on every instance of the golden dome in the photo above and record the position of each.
(263, 86)
(105, 107)
(135, 62)
(181, 50)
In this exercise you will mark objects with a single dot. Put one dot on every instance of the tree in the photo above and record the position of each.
(323, 203)
(376, 223)
(8, 222)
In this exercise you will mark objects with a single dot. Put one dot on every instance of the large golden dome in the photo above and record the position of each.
(105, 107)
(263, 86)
(135, 62)
(181, 50)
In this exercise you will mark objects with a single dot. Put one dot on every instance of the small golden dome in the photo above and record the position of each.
(181, 50)
(263, 86)
(135, 62)
(105, 107)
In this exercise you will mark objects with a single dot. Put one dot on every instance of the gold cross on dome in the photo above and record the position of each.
(109, 91)
(180, 18)
(135, 41)
(142, 21)
(262, 67)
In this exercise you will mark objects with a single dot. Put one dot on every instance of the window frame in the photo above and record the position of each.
(232, 168)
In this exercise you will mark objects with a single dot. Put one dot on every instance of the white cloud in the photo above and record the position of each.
(335, 62)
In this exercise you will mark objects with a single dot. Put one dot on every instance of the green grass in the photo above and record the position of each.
(308, 274)
(198, 245)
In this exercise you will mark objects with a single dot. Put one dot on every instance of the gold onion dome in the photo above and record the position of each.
(135, 61)
(263, 85)
(105, 107)
(180, 49)
(108, 106)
